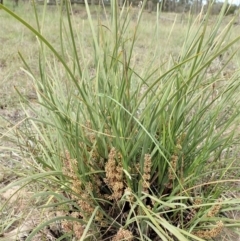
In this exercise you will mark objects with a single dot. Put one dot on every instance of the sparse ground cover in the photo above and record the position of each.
(158, 118)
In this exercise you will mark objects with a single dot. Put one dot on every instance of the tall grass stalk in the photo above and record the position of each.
(137, 156)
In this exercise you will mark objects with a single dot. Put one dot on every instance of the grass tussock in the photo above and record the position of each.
(128, 148)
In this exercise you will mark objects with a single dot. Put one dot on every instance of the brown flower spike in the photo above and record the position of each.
(114, 175)
(123, 235)
(147, 172)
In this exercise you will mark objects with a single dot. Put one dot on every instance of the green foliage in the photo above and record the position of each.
(136, 156)
(231, 9)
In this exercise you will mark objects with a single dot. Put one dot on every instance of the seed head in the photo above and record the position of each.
(147, 172)
(123, 235)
